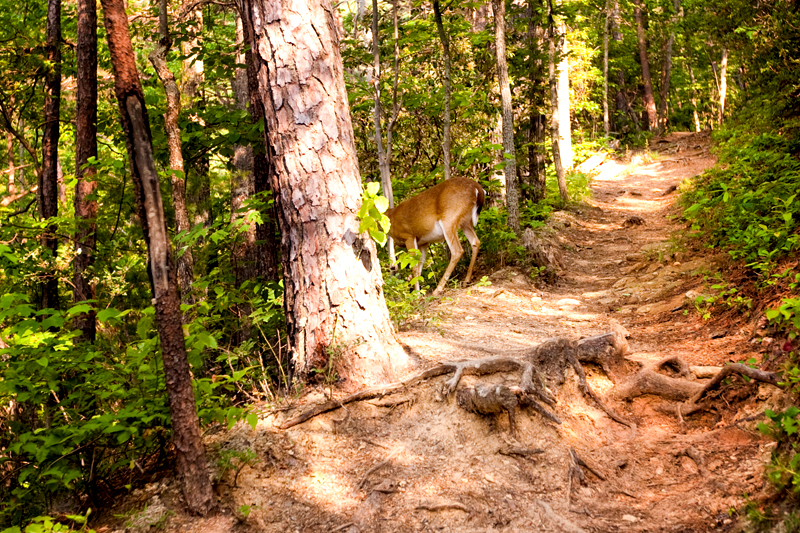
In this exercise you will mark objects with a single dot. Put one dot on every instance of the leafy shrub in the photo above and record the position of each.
(748, 204)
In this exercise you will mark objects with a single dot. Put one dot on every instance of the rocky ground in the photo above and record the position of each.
(415, 461)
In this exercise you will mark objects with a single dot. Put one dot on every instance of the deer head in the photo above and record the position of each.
(436, 215)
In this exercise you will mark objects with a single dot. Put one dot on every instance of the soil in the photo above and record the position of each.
(415, 461)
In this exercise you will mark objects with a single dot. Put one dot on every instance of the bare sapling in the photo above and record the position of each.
(436, 215)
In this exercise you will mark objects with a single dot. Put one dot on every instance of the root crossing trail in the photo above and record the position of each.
(414, 461)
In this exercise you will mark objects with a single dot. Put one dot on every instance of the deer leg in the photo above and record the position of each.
(456, 251)
(469, 231)
(418, 270)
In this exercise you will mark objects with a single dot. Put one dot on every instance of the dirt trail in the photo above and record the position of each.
(416, 462)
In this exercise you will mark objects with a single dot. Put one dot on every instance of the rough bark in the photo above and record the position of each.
(85, 148)
(556, 31)
(48, 179)
(158, 57)
(333, 288)
(437, 13)
(509, 153)
(190, 453)
(648, 100)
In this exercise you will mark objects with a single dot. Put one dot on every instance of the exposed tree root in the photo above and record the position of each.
(549, 359)
(691, 393)
(489, 400)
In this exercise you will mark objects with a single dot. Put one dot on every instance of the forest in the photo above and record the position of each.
(193, 198)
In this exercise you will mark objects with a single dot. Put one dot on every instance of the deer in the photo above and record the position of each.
(436, 215)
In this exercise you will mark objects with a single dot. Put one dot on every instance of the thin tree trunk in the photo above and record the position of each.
(335, 311)
(158, 57)
(85, 149)
(723, 85)
(606, 122)
(537, 160)
(48, 179)
(193, 67)
(12, 171)
(694, 99)
(564, 120)
(267, 242)
(666, 71)
(647, 96)
(437, 13)
(555, 128)
(191, 460)
(383, 159)
(512, 188)
(245, 252)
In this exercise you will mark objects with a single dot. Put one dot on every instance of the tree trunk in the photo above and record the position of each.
(85, 148)
(384, 161)
(723, 85)
(694, 99)
(647, 96)
(509, 153)
(606, 122)
(191, 461)
(666, 71)
(437, 13)
(562, 84)
(158, 57)
(48, 179)
(537, 160)
(556, 36)
(267, 243)
(12, 171)
(335, 311)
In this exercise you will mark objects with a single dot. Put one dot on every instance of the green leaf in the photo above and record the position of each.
(252, 419)
(79, 309)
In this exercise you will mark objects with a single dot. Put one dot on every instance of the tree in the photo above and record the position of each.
(384, 156)
(557, 32)
(333, 288)
(158, 57)
(666, 71)
(537, 89)
(446, 142)
(48, 178)
(509, 153)
(86, 149)
(191, 461)
(651, 118)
